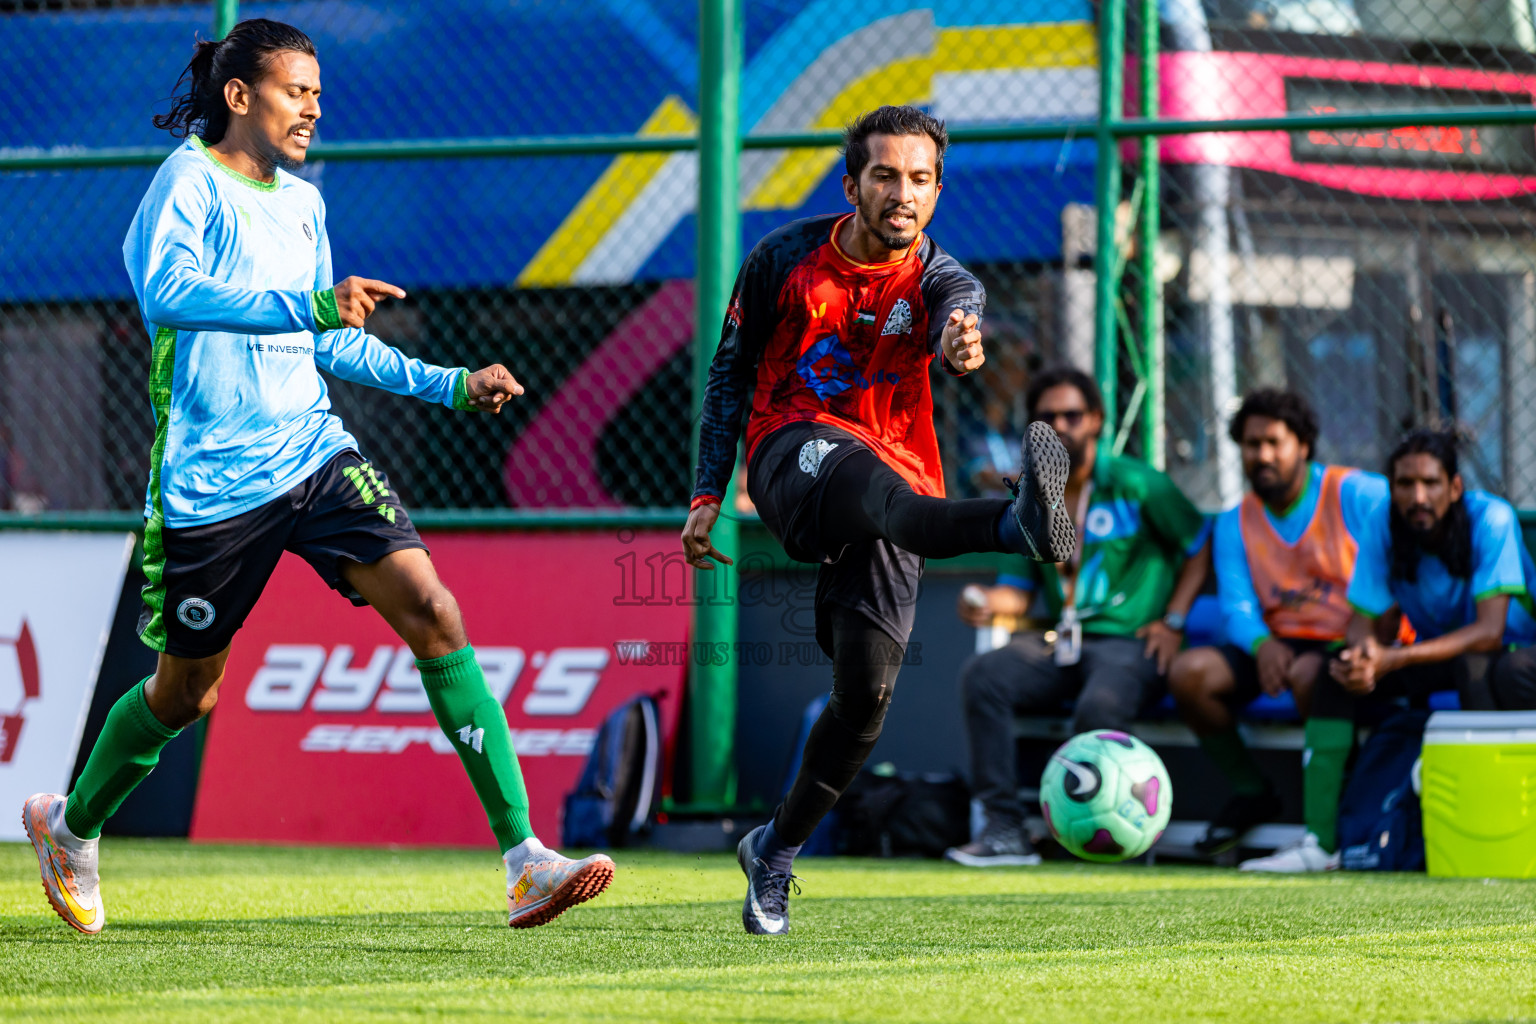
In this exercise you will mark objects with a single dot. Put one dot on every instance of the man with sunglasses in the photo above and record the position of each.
(1118, 607)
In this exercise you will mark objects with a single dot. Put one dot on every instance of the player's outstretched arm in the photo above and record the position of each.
(164, 255)
(359, 357)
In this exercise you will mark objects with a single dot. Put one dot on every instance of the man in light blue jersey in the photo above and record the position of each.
(1452, 561)
(229, 259)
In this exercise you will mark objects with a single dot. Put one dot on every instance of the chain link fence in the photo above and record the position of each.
(1388, 273)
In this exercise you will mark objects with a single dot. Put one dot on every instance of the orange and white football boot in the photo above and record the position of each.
(68, 865)
(542, 885)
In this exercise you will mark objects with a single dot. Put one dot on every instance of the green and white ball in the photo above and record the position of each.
(1106, 796)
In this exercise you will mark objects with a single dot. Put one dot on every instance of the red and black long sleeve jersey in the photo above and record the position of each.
(813, 334)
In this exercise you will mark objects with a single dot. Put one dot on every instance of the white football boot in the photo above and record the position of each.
(542, 885)
(68, 865)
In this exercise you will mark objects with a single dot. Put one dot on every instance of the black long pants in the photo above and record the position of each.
(1500, 681)
(875, 529)
(865, 499)
(1513, 680)
(865, 660)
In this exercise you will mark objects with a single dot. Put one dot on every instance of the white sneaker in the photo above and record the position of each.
(1298, 858)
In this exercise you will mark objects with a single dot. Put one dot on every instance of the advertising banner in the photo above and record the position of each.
(58, 593)
(323, 734)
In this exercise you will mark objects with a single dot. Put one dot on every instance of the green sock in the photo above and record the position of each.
(1235, 761)
(1322, 776)
(474, 721)
(127, 750)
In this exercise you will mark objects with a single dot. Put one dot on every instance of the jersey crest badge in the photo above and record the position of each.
(900, 320)
(811, 454)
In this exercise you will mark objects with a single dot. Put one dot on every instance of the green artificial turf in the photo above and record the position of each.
(267, 934)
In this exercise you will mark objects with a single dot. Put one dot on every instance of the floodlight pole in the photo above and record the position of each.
(712, 678)
(226, 13)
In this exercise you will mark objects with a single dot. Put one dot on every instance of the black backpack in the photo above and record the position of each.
(615, 797)
(885, 813)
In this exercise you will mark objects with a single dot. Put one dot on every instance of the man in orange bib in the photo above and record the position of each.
(1284, 558)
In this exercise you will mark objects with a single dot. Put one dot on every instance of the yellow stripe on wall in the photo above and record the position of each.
(799, 171)
(1066, 44)
(563, 252)
(910, 80)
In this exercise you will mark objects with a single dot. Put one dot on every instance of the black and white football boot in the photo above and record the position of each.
(1039, 503)
(766, 908)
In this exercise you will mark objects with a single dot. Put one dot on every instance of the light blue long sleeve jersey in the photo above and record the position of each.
(1362, 497)
(233, 278)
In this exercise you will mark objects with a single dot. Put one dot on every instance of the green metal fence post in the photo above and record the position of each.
(1106, 192)
(226, 13)
(1153, 429)
(712, 694)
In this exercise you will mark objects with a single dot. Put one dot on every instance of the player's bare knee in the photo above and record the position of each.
(1183, 675)
(205, 700)
(182, 696)
(1303, 673)
(434, 625)
(1192, 676)
(434, 607)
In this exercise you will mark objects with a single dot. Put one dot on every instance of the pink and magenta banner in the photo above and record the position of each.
(1212, 86)
(322, 733)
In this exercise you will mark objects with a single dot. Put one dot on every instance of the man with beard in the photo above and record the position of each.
(1284, 557)
(830, 333)
(1452, 561)
(229, 259)
(1119, 607)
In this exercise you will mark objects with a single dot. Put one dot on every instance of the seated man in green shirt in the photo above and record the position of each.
(1118, 606)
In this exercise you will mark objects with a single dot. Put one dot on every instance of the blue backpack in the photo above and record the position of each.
(615, 796)
(1381, 827)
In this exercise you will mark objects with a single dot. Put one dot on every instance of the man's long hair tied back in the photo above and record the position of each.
(245, 53)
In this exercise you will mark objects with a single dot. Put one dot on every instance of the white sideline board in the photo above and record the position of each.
(58, 595)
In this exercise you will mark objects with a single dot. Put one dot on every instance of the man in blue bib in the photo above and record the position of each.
(1452, 561)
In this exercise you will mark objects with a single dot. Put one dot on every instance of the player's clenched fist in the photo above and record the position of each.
(961, 341)
(356, 297)
(491, 388)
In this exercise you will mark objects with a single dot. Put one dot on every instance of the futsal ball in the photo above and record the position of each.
(1106, 796)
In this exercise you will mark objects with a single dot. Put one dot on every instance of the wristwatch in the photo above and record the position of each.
(1175, 621)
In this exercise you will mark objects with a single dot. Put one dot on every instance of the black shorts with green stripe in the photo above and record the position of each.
(204, 580)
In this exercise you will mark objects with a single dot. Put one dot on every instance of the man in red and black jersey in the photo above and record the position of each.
(831, 331)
